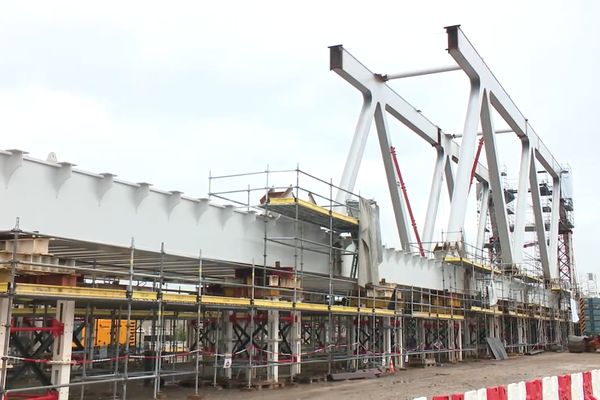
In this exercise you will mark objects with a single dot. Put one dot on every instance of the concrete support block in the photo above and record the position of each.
(61, 349)
(296, 343)
(387, 341)
(228, 339)
(399, 344)
(273, 342)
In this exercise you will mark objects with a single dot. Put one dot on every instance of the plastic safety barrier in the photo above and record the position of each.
(577, 386)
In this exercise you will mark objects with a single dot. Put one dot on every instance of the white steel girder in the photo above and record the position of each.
(57, 199)
(486, 94)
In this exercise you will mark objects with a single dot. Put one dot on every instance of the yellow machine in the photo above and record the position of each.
(103, 331)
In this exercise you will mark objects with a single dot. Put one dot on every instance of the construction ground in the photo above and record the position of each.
(406, 384)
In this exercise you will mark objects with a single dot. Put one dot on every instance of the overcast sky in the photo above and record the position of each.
(165, 92)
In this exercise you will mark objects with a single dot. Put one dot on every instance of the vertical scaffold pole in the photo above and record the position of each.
(6, 309)
(128, 326)
(251, 345)
(329, 330)
(117, 354)
(198, 318)
(158, 334)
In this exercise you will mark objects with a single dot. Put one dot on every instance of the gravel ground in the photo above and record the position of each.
(407, 384)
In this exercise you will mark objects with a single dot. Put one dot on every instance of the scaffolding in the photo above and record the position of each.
(80, 315)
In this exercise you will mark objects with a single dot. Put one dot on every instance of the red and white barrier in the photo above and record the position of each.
(578, 386)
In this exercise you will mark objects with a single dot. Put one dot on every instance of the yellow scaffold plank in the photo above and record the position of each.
(144, 296)
(465, 261)
(365, 310)
(107, 313)
(284, 201)
(344, 309)
(27, 290)
(486, 310)
(449, 316)
(275, 304)
(179, 298)
(34, 290)
(384, 313)
(314, 307)
(427, 315)
(225, 301)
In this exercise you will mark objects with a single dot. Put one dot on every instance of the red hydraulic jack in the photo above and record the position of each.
(55, 329)
(409, 208)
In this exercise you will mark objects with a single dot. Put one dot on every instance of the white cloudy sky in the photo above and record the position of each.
(164, 92)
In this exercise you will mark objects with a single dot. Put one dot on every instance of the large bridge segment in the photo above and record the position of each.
(57, 199)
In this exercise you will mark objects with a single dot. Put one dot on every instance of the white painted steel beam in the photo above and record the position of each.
(150, 215)
(540, 225)
(357, 149)
(522, 204)
(421, 72)
(466, 158)
(483, 215)
(497, 189)
(398, 205)
(434, 199)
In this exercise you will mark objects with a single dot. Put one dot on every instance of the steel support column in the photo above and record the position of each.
(522, 204)
(396, 197)
(540, 225)
(434, 198)
(483, 215)
(357, 149)
(497, 189)
(462, 178)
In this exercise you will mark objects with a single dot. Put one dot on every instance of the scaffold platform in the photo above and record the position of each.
(454, 260)
(309, 212)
